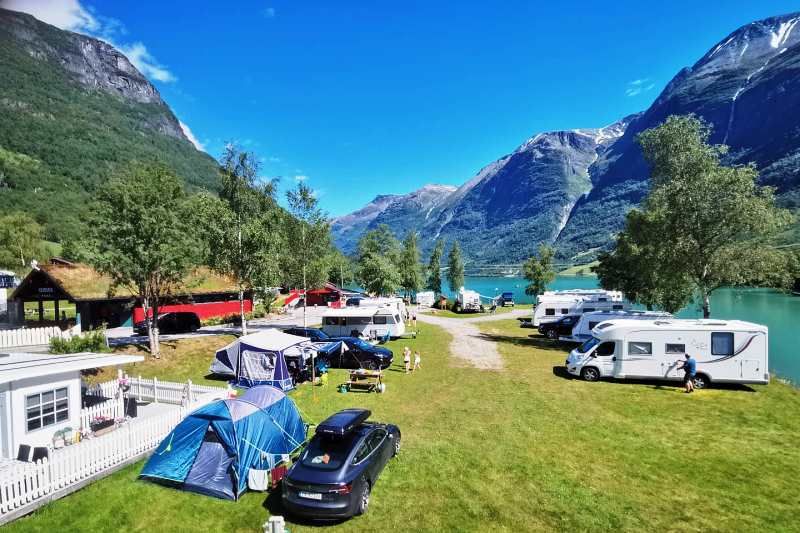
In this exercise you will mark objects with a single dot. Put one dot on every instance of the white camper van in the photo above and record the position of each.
(726, 351)
(372, 322)
(582, 331)
(394, 303)
(468, 300)
(426, 299)
(552, 305)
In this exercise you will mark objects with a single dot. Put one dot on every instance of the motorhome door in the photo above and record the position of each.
(606, 357)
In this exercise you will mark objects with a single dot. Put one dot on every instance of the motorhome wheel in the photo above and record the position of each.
(590, 373)
(701, 381)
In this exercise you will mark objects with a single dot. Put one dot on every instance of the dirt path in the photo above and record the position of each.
(469, 344)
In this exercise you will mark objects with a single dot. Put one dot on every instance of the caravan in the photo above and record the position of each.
(425, 299)
(552, 305)
(467, 300)
(372, 322)
(582, 330)
(726, 351)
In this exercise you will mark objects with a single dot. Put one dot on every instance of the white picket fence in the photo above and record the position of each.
(25, 486)
(170, 392)
(32, 336)
(113, 409)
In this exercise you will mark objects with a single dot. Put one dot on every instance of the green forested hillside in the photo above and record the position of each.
(60, 137)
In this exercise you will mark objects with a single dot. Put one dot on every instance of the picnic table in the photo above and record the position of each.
(366, 380)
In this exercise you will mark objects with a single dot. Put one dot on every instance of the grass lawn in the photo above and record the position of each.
(521, 449)
(32, 310)
(580, 270)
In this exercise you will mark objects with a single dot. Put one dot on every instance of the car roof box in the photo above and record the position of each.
(343, 422)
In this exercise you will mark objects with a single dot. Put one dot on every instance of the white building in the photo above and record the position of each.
(40, 394)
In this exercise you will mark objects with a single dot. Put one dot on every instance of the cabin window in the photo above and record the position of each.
(675, 348)
(379, 319)
(722, 343)
(549, 312)
(564, 311)
(640, 348)
(617, 307)
(605, 349)
(47, 408)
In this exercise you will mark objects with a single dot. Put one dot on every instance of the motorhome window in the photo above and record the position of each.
(549, 312)
(617, 307)
(604, 325)
(640, 348)
(396, 319)
(674, 348)
(602, 299)
(593, 324)
(358, 320)
(331, 321)
(722, 344)
(564, 311)
(379, 319)
(606, 348)
(588, 345)
(588, 309)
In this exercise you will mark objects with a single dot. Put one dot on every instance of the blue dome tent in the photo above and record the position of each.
(212, 450)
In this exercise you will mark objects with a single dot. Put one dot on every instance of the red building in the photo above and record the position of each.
(97, 301)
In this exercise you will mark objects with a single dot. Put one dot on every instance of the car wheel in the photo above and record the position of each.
(363, 498)
(551, 334)
(396, 446)
(701, 381)
(590, 373)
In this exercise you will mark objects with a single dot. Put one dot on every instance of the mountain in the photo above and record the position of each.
(747, 87)
(72, 110)
(573, 188)
(400, 212)
(506, 210)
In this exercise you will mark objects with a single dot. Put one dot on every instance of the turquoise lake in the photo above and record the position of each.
(778, 311)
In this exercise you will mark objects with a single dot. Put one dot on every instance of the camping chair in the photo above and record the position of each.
(40, 453)
(24, 453)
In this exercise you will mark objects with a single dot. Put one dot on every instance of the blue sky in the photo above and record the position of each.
(365, 98)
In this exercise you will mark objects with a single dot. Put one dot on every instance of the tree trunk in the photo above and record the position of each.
(155, 346)
(706, 305)
(148, 323)
(241, 312)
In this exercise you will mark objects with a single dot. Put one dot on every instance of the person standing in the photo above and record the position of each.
(689, 367)
(407, 358)
(417, 361)
(414, 319)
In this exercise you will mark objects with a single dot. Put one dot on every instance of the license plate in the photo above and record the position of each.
(311, 495)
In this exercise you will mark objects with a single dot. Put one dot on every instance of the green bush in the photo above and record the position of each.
(93, 341)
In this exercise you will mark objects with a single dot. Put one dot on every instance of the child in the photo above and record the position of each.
(417, 361)
(407, 358)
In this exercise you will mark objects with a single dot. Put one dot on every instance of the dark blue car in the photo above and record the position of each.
(338, 469)
(311, 333)
(359, 354)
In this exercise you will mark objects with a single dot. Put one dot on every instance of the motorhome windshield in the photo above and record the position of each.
(588, 345)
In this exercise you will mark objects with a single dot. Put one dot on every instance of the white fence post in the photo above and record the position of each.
(155, 390)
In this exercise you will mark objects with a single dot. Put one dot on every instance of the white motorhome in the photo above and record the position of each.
(582, 330)
(372, 322)
(394, 303)
(426, 299)
(552, 305)
(467, 300)
(726, 351)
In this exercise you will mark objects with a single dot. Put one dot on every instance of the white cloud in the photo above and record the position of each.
(65, 14)
(300, 178)
(269, 12)
(71, 15)
(189, 135)
(639, 86)
(144, 61)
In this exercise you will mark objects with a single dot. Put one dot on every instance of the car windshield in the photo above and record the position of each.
(361, 343)
(588, 345)
(328, 453)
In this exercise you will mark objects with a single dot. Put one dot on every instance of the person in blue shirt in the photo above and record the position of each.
(689, 370)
